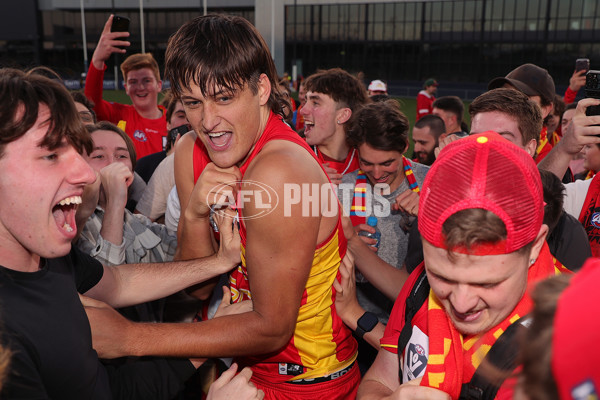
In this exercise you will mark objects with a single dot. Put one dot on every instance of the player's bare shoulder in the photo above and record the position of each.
(287, 161)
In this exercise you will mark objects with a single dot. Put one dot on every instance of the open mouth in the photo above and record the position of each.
(64, 214)
(219, 140)
(308, 125)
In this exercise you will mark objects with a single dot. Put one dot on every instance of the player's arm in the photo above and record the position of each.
(279, 255)
(382, 378)
(130, 284)
(382, 382)
(194, 234)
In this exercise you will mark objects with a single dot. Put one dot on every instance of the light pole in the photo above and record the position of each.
(142, 25)
(85, 56)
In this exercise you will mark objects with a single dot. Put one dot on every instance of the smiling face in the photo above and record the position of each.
(143, 88)
(109, 147)
(39, 190)
(477, 292)
(229, 124)
(381, 166)
(320, 118)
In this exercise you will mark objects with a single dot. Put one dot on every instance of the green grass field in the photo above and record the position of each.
(407, 104)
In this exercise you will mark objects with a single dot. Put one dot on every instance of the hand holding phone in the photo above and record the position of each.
(592, 90)
(582, 64)
(119, 24)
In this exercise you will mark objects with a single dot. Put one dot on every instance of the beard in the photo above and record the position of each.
(425, 158)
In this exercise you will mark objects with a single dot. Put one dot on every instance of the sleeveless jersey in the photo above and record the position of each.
(349, 164)
(321, 343)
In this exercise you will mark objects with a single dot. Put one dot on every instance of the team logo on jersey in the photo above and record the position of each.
(596, 219)
(420, 350)
(140, 136)
(415, 355)
(416, 360)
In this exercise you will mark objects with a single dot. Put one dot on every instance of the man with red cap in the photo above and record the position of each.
(483, 245)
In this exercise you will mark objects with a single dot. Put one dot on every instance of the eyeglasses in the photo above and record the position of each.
(86, 117)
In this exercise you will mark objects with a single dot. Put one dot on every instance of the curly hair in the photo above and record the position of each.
(381, 125)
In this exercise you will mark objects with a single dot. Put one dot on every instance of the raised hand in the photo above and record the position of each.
(109, 43)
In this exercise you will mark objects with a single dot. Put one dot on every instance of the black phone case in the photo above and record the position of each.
(120, 24)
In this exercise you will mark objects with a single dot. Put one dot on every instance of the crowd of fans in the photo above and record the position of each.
(152, 250)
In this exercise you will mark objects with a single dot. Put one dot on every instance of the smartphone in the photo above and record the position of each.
(582, 64)
(119, 24)
(169, 140)
(180, 130)
(592, 90)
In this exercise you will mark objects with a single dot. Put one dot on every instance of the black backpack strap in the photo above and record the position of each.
(498, 364)
(418, 294)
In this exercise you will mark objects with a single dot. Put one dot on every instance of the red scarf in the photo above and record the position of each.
(590, 215)
(358, 210)
(453, 358)
(544, 146)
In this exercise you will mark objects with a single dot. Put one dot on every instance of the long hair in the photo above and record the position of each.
(221, 51)
(21, 95)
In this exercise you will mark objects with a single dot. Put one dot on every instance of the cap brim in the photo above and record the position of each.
(520, 86)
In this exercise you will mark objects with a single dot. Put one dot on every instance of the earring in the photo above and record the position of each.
(532, 261)
(338, 121)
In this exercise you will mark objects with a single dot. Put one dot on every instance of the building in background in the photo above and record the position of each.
(462, 43)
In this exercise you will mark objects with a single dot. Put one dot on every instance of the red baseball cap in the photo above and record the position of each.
(483, 171)
(575, 347)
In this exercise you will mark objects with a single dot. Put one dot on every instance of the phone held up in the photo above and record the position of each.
(119, 24)
(582, 64)
(592, 90)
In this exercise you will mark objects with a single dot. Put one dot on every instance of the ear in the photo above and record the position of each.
(264, 89)
(538, 243)
(160, 84)
(531, 147)
(343, 115)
